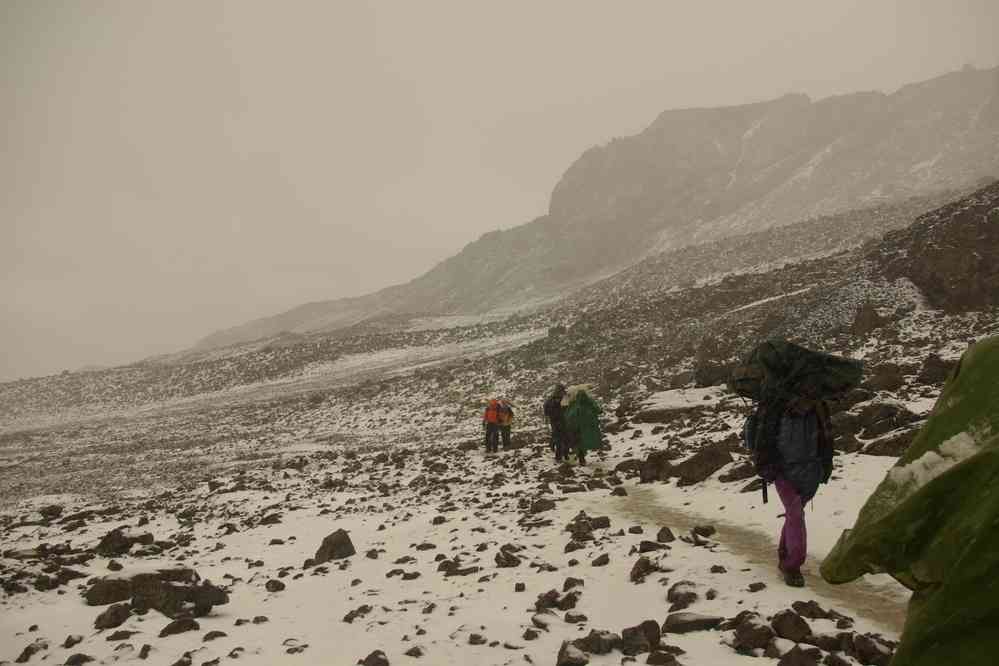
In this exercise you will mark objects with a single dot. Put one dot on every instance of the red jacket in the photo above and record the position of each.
(492, 412)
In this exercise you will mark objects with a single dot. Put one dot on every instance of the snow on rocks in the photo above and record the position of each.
(452, 539)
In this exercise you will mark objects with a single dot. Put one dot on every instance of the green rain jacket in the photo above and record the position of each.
(933, 524)
(582, 417)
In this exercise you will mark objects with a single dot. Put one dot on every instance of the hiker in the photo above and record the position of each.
(504, 419)
(490, 420)
(582, 423)
(803, 461)
(788, 431)
(556, 424)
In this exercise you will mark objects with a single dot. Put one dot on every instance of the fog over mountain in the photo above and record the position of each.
(173, 169)
(697, 175)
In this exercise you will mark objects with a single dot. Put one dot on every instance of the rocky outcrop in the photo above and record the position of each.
(951, 254)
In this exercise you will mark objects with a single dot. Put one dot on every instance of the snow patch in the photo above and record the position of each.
(932, 464)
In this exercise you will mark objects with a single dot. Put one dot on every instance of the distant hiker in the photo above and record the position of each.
(556, 424)
(788, 432)
(581, 416)
(490, 420)
(504, 419)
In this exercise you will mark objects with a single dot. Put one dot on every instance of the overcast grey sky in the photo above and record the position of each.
(170, 168)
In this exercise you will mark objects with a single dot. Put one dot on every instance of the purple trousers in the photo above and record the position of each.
(793, 536)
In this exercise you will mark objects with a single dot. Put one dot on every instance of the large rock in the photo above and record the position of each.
(570, 655)
(751, 633)
(599, 642)
(336, 546)
(173, 591)
(685, 622)
(119, 541)
(788, 624)
(113, 616)
(681, 595)
(702, 464)
(176, 599)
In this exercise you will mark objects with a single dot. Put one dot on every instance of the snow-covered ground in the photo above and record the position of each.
(389, 505)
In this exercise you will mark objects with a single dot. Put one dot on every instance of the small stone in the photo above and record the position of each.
(756, 587)
(78, 659)
(376, 658)
(601, 560)
(179, 626)
(212, 635)
(274, 585)
(665, 535)
(659, 658)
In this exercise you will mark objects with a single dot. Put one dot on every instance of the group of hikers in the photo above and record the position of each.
(572, 415)
(787, 433)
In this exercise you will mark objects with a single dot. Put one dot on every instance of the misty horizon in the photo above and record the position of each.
(135, 226)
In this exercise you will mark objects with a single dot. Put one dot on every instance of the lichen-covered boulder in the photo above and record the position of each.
(931, 524)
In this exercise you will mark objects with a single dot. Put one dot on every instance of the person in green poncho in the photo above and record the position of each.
(581, 414)
(933, 524)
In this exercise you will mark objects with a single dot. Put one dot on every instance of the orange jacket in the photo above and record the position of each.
(492, 412)
(505, 416)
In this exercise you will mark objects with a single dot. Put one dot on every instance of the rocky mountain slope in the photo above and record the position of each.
(350, 511)
(698, 175)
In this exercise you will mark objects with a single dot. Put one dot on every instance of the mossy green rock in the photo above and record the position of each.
(933, 524)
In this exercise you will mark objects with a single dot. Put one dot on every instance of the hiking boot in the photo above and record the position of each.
(793, 578)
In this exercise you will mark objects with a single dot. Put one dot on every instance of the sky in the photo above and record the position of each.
(168, 169)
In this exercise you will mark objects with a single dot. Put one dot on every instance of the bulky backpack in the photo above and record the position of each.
(779, 375)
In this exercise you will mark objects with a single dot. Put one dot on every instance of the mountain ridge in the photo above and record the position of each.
(696, 175)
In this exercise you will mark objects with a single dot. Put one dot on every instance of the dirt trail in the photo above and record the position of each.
(880, 604)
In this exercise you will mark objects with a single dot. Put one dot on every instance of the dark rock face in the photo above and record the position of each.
(951, 254)
(336, 546)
